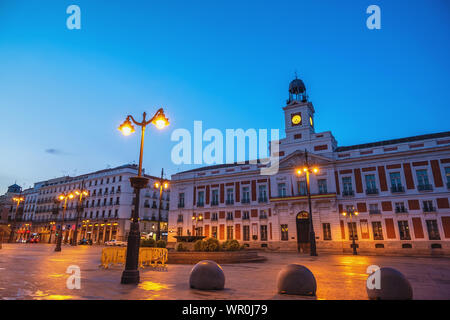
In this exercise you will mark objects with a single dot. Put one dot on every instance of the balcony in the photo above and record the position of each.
(400, 210)
(180, 219)
(263, 216)
(374, 211)
(371, 191)
(262, 199)
(181, 205)
(348, 193)
(229, 218)
(424, 187)
(246, 218)
(229, 202)
(397, 189)
(429, 209)
(200, 204)
(214, 218)
(245, 200)
(215, 203)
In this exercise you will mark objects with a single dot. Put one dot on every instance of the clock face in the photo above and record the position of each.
(310, 121)
(296, 119)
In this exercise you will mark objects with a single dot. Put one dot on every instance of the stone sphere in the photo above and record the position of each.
(296, 279)
(393, 285)
(207, 275)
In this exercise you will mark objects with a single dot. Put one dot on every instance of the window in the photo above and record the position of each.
(214, 216)
(229, 215)
(282, 190)
(422, 180)
(326, 231)
(301, 185)
(230, 196)
(181, 200)
(396, 181)
(347, 184)
(199, 231)
(215, 197)
(246, 233)
(116, 213)
(245, 215)
(352, 232)
(262, 214)
(373, 208)
(284, 232)
(263, 233)
(245, 195)
(179, 231)
(400, 207)
(214, 231)
(433, 230)
(377, 230)
(371, 185)
(201, 199)
(428, 206)
(262, 193)
(229, 232)
(403, 229)
(322, 185)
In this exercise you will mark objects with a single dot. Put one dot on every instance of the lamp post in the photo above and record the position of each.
(80, 193)
(17, 200)
(131, 273)
(308, 169)
(62, 197)
(350, 213)
(160, 184)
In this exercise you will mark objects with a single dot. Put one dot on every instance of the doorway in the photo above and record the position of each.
(302, 221)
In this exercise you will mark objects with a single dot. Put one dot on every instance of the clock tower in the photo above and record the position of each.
(298, 113)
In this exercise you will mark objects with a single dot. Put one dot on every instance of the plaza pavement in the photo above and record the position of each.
(35, 271)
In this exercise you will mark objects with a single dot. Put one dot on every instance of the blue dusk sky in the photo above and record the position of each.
(227, 63)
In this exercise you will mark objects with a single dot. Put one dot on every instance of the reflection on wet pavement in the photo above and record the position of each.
(30, 271)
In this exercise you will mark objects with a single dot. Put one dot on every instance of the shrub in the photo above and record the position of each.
(231, 245)
(211, 244)
(148, 243)
(181, 247)
(161, 244)
(199, 245)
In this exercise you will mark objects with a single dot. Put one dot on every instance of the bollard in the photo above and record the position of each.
(207, 275)
(296, 279)
(388, 284)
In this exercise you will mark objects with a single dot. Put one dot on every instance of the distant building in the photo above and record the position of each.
(399, 187)
(106, 212)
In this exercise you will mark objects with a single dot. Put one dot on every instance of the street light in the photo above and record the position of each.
(160, 184)
(350, 213)
(17, 200)
(131, 273)
(308, 169)
(62, 197)
(80, 193)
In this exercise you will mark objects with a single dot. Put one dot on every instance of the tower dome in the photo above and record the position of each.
(297, 91)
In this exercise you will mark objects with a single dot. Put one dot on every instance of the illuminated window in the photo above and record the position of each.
(326, 231)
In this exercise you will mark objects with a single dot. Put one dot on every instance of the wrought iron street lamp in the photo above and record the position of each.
(160, 184)
(350, 213)
(62, 197)
(80, 193)
(131, 273)
(17, 200)
(307, 169)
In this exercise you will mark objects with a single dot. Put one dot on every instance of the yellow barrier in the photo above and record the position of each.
(147, 256)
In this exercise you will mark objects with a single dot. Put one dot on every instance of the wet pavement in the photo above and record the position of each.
(35, 271)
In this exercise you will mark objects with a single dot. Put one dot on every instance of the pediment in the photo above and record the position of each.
(297, 158)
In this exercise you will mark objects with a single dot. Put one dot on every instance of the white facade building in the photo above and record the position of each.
(399, 187)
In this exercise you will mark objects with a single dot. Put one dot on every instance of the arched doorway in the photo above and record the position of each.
(302, 221)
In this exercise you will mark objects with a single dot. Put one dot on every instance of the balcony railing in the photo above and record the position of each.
(424, 187)
(263, 216)
(348, 193)
(374, 211)
(230, 201)
(181, 205)
(397, 189)
(245, 200)
(215, 203)
(180, 219)
(401, 210)
(214, 218)
(229, 217)
(246, 218)
(372, 191)
(200, 204)
(262, 199)
(429, 209)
